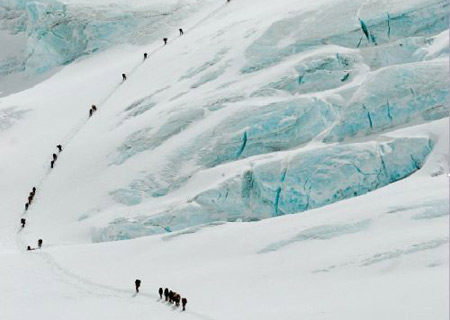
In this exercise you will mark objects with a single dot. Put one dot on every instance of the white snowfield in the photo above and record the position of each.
(280, 160)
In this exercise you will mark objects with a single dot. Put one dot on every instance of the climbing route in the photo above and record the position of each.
(39, 254)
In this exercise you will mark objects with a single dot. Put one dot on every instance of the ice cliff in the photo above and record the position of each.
(57, 33)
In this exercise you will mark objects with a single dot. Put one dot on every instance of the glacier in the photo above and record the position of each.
(372, 27)
(411, 92)
(264, 129)
(58, 33)
(289, 185)
(259, 129)
(317, 73)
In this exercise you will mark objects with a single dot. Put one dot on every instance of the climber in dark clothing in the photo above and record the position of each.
(166, 293)
(165, 41)
(145, 56)
(52, 163)
(33, 190)
(29, 248)
(27, 205)
(55, 156)
(160, 291)
(181, 32)
(183, 302)
(177, 299)
(94, 108)
(59, 148)
(91, 112)
(40, 243)
(124, 76)
(23, 221)
(30, 199)
(137, 283)
(172, 296)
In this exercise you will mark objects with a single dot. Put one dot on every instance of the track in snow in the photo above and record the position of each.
(64, 274)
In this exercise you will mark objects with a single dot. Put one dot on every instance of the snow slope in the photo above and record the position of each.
(280, 159)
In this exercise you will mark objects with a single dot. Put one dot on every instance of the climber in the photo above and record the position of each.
(137, 283)
(52, 163)
(33, 190)
(90, 112)
(145, 55)
(26, 206)
(166, 293)
(29, 248)
(160, 291)
(181, 32)
(59, 148)
(177, 299)
(30, 199)
(165, 41)
(171, 296)
(184, 302)
(124, 76)
(55, 156)
(94, 108)
(40, 243)
(22, 221)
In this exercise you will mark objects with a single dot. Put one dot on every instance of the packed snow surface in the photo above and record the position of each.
(280, 160)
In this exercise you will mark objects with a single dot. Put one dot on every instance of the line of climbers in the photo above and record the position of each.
(170, 296)
(91, 112)
(30, 198)
(124, 76)
(23, 221)
(173, 297)
(55, 157)
(33, 190)
(29, 248)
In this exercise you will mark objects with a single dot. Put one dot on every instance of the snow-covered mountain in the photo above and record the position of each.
(278, 160)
